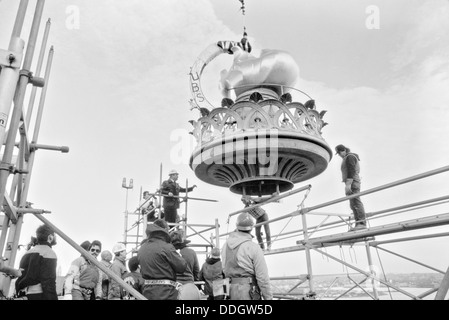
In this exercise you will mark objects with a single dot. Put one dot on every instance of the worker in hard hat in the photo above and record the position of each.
(170, 189)
(159, 263)
(106, 258)
(244, 263)
(119, 268)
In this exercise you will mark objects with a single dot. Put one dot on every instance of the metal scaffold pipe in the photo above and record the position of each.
(15, 229)
(38, 72)
(383, 187)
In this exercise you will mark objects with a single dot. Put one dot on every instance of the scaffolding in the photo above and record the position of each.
(366, 238)
(16, 169)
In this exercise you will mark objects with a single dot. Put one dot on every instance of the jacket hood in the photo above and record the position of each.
(157, 232)
(237, 238)
(212, 261)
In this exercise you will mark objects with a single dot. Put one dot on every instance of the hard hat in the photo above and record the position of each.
(245, 222)
(106, 255)
(118, 247)
(215, 253)
(173, 172)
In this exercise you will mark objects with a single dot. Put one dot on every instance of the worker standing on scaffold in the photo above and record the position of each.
(170, 189)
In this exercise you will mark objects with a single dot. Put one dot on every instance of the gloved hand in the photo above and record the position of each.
(67, 296)
(348, 190)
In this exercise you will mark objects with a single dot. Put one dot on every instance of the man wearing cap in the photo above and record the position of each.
(159, 263)
(244, 263)
(170, 189)
(350, 169)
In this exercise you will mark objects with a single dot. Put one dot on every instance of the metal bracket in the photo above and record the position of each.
(6, 166)
(10, 59)
(11, 168)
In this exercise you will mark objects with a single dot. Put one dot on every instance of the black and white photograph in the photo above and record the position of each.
(224, 150)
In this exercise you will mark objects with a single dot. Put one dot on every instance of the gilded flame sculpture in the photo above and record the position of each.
(263, 142)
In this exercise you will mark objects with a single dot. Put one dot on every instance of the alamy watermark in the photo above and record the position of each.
(72, 22)
(372, 22)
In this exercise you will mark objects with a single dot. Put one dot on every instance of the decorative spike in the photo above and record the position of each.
(286, 97)
(226, 102)
(256, 97)
(204, 112)
(310, 104)
(322, 113)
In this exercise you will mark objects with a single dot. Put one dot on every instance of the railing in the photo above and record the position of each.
(363, 237)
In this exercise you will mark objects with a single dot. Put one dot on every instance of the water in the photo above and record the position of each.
(383, 293)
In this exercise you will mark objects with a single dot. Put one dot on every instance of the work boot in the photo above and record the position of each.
(358, 226)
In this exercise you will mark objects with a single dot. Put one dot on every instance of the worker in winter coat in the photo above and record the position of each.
(170, 189)
(133, 278)
(106, 257)
(211, 270)
(245, 264)
(350, 170)
(38, 266)
(83, 278)
(119, 268)
(188, 290)
(159, 263)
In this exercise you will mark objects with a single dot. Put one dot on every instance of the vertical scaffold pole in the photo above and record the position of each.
(307, 251)
(217, 234)
(185, 214)
(38, 72)
(14, 233)
(444, 287)
(10, 76)
(160, 191)
(371, 265)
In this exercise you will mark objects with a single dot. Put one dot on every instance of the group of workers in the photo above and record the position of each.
(165, 268)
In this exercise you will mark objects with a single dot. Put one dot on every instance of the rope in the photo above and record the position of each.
(301, 206)
(342, 257)
(383, 271)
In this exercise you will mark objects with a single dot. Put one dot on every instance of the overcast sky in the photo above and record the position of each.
(119, 91)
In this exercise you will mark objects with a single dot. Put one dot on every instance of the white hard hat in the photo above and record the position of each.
(245, 222)
(173, 172)
(118, 247)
